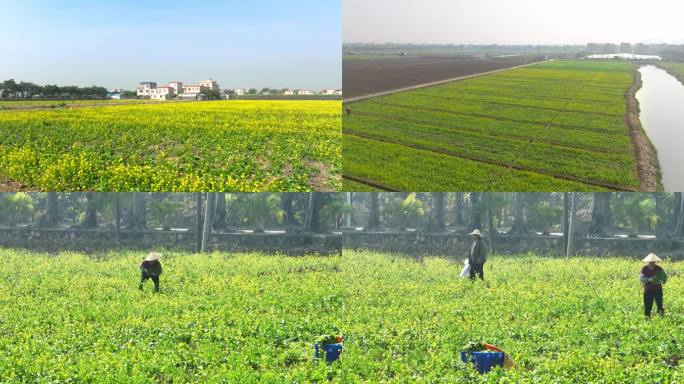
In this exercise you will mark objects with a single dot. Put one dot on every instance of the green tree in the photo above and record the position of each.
(257, 208)
(404, 213)
(15, 207)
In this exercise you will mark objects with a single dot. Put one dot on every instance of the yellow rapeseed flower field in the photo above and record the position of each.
(244, 146)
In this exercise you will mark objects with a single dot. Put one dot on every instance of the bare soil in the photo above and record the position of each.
(12, 186)
(365, 77)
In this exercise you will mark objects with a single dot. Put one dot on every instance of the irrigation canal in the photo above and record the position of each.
(661, 101)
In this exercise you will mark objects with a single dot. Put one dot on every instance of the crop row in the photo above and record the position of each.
(539, 157)
(496, 128)
(562, 119)
(227, 146)
(404, 167)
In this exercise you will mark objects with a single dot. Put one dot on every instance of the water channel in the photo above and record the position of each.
(661, 101)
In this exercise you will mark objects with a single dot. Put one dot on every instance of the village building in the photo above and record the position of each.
(176, 90)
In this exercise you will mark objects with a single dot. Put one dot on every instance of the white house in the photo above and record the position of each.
(240, 92)
(144, 88)
(209, 84)
(288, 92)
(162, 93)
(305, 92)
(328, 92)
(176, 89)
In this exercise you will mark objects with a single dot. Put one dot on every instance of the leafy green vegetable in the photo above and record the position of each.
(561, 120)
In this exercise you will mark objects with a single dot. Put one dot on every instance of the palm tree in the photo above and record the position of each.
(257, 208)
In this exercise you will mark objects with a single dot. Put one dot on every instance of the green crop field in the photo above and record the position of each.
(220, 146)
(252, 318)
(675, 69)
(550, 126)
(24, 104)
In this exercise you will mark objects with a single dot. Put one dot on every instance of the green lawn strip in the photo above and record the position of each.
(410, 169)
(495, 129)
(595, 167)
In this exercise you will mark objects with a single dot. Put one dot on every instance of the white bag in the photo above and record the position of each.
(465, 272)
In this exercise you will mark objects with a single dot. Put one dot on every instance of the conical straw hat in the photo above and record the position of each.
(476, 232)
(651, 258)
(153, 256)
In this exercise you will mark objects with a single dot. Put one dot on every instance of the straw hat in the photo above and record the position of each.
(476, 232)
(652, 258)
(153, 256)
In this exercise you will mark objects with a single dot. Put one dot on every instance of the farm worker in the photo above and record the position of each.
(653, 277)
(349, 111)
(478, 255)
(150, 268)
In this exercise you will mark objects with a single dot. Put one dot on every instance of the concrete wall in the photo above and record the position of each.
(457, 245)
(409, 243)
(53, 240)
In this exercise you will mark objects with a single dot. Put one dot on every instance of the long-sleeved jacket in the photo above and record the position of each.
(151, 268)
(653, 279)
(478, 252)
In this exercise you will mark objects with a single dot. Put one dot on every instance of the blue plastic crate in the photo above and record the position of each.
(483, 361)
(332, 351)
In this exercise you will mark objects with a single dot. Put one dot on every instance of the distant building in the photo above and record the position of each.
(240, 92)
(328, 92)
(305, 92)
(641, 49)
(610, 48)
(176, 89)
(288, 92)
(162, 93)
(625, 48)
(144, 88)
(210, 84)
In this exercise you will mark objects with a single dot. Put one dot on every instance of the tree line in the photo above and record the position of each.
(599, 214)
(10, 89)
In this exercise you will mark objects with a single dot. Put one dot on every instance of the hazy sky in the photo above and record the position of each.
(513, 21)
(118, 43)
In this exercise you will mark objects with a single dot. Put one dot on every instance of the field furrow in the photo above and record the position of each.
(562, 119)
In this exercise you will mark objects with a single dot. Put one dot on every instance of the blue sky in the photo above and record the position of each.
(239, 43)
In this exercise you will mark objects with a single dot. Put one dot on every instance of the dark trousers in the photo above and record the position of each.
(476, 269)
(649, 298)
(144, 277)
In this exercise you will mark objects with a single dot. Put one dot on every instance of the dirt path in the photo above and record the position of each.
(7, 185)
(384, 93)
(71, 106)
(645, 152)
(369, 183)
